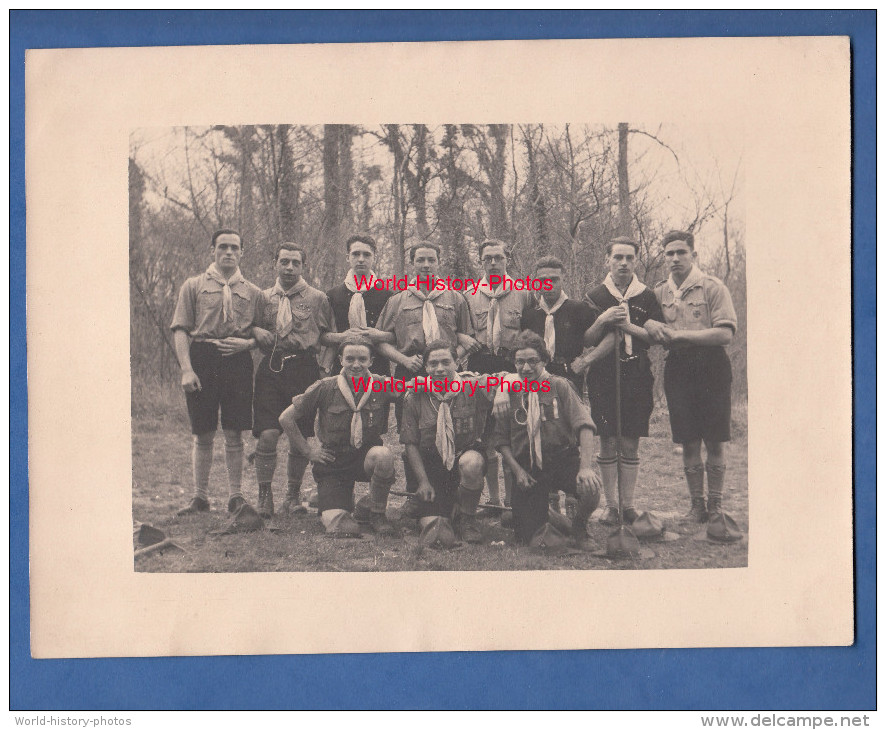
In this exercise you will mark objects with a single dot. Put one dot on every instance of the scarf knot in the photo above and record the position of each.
(493, 319)
(284, 307)
(429, 324)
(356, 406)
(357, 307)
(550, 336)
(634, 288)
(445, 436)
(214, 273)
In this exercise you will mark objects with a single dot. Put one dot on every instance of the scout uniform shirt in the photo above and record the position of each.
(570, 323)
(563, 415)
(334, 421)
(199, 308)
(311, 317)
(702, 302)
(469, 413)
(511, 306)
(402, 315)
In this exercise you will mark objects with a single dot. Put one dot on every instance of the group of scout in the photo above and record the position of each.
(452, 440)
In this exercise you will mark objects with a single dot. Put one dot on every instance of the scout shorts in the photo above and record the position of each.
(226, 383)
(274, 392)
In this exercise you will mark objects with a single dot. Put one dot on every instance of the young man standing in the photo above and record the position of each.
(212, 328)
(356, 309)
(625, 304)
(699, 322)
(561, 321)
(497, 312)
(442, 429)
(422, 314)
(418, 316)
(546, 436)
(352, 419)
(293, 322)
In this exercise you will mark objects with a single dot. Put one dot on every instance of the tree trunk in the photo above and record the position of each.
(624, 191)
(498, 222)
(290, 227)
(246, 214)
(337, 173)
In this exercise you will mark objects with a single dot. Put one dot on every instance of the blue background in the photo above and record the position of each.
(753, 679)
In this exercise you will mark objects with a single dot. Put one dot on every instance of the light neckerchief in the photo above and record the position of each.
(634, 288)
(533, 424)
(445, 438)
(351, 399)
(691, 280)
(357, 307)
(550, 332)
(284, 309)
(214, 273)
(493, 320)
(429, 323)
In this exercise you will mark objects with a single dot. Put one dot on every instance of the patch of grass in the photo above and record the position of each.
(162, 484)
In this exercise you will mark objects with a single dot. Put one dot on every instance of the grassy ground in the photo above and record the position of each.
(162, 484)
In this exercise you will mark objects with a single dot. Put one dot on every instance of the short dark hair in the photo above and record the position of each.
(289, 246)
(492, 242)
(439, 345)
(623, 241)
(529, 339)
(225, 232)
(361, 238)
(423, 244)
(549, 262)
(684, 236)
(355, 340)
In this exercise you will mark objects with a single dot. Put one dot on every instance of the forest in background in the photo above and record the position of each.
(562, 190)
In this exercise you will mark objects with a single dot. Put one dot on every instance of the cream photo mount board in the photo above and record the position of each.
(790, 97)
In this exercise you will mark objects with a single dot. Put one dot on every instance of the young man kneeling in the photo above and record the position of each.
(546, 436)
(442, 431)
(352, 419)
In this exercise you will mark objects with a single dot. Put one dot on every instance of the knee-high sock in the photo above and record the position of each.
(716, 476)
(508, 478)
(234, 463)
(695, 480)
(201, 461)
(379, 487)
(467, 499)
(265, 465)
(295, 472)
(629, 470)
(492, 477)
(609, 474)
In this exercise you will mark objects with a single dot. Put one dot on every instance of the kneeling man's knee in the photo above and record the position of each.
(380, 460)
(470, 465)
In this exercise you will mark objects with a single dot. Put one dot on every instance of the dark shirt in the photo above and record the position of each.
(374, 300)
(643, 307)
(570, 323)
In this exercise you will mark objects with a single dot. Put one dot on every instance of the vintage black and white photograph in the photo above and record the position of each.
(424, 347)
(440, 347)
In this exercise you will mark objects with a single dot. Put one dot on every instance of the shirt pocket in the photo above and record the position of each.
(243, 309)
(208, 300)
(375, 415)
(696, 314)
(339, 422)
(551, 409)
(446, 316)
(301, 319)
(481, 317)
(463, 420)
(511, 319)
